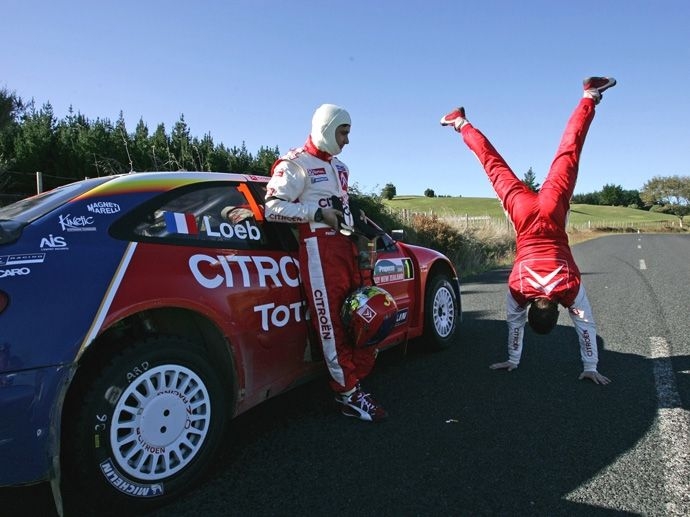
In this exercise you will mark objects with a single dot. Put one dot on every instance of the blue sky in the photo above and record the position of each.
(253, 71)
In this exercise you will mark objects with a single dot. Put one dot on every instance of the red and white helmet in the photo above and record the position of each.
(369, 315)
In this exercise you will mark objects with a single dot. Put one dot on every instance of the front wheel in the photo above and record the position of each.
(145, 427)
(441, 312)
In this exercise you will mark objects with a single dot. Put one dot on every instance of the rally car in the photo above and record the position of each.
(140, 313)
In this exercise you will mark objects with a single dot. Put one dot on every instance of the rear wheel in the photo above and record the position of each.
(145, 427)
(441, 310)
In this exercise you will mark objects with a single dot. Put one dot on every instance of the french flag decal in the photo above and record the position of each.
(181, 223)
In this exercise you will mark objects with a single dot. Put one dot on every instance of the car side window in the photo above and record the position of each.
(218, 215)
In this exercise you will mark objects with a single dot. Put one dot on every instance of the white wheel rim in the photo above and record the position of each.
(443, 312)
(160, 422)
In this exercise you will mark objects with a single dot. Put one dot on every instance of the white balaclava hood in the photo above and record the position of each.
(325, 121)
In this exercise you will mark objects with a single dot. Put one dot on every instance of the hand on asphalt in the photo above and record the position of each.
(595, 377)
(503, 366)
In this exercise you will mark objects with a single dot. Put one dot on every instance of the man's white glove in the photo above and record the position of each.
(504, 366)
(331, 217)
(595, 377)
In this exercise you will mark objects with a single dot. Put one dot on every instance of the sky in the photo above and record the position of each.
(254, 71)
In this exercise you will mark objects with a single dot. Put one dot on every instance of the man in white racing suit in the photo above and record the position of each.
(308, 186)
(544, 274)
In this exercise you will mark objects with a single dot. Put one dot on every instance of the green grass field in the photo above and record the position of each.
(459, 207)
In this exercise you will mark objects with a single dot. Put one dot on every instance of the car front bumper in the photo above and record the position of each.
(29, 403)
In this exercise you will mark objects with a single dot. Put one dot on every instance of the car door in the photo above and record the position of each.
(206, 247)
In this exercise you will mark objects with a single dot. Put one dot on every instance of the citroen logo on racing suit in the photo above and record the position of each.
(540, 282)
(544, 282)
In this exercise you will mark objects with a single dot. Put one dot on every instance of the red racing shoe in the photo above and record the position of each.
(595, 86)
(455, 118)
(361, 405)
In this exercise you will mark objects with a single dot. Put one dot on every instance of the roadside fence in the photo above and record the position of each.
(465, 221)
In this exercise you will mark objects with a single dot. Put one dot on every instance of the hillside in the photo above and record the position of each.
(580, 214)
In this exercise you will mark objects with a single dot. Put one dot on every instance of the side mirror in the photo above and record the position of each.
(398, 235)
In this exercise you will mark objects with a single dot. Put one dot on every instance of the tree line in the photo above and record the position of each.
(75, 147)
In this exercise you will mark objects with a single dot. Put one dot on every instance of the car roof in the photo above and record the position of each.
(33, 207)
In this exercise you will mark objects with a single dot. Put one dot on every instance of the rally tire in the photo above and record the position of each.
(144, 428)
(441, 313)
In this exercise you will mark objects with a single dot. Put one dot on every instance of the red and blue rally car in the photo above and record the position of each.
(140, 313)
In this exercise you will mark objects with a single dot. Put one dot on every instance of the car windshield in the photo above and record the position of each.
(31, 208)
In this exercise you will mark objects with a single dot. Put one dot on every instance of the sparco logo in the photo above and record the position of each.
(18, 271)
(80, 223)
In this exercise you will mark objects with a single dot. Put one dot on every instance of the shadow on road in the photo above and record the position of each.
(461, 439)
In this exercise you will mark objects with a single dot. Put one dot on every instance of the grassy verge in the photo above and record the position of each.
(478, 248)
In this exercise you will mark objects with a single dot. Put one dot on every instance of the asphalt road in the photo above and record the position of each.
(465, 440)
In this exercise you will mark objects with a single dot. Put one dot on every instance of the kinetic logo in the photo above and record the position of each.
(81, 223)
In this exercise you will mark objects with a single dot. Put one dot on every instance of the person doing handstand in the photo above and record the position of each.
(544, 274)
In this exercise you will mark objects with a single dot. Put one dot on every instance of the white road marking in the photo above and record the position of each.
(643, 265)
(674, 429)
(669, 435)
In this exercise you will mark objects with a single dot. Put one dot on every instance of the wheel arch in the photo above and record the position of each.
(441, 267)
(173, 321)
(148, 323)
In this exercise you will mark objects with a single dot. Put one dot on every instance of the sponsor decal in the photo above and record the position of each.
(127, 486)
(577, 312)
(177, 222)
(515, 341)
(323, 320)
(77, 223)
(26, 258)
(317, 175)
(342, 176)
(366, 313)
(283, 219)
(588, 343)
(53, 243)
(18, 271)
(220, 271)
(252, 177)
(393, 270)
(241, 270)
(103, 207)
(542, 275)
(279, 315)
(243, 231)
(401, 316)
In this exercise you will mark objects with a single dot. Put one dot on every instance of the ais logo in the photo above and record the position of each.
(53, 243)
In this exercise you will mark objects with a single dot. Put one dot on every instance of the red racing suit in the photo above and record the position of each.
(302, 181)
(544, 264)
